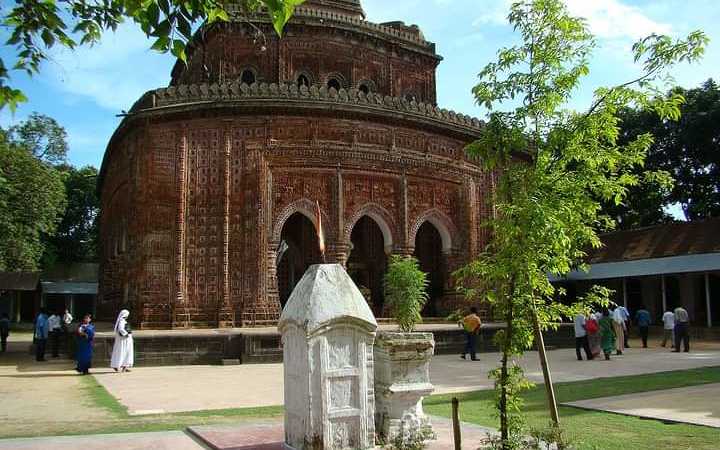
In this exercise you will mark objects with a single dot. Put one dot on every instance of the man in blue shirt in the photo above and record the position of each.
(41, 335)
(642, 317)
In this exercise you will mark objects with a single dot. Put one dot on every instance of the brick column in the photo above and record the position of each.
(226, 316)
(179, 316)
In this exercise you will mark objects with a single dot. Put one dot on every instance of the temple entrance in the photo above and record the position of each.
(428, 251)
(302, 251)
(367, 262)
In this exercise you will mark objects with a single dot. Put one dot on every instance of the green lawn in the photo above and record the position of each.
(588, 430)
(598, 430)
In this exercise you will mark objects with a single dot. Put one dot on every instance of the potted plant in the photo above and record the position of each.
(402, 358)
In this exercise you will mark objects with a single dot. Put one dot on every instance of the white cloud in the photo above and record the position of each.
(495, 13)
(607, 19)
(612, 19)
(114, 73)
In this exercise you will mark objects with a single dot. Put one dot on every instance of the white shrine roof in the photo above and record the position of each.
(326, 294)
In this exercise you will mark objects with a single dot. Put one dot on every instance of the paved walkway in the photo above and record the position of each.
(261, 435)
(698, 405)
(152, 390)
(165, 440)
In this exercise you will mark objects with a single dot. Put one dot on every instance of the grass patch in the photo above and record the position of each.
(112, 417)
(592, 429)
(100, 397)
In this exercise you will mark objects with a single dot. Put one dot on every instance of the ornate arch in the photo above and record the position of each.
(441, 222)
(380, 216)
(306, 208)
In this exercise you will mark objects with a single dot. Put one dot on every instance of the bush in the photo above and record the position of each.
(406, 291)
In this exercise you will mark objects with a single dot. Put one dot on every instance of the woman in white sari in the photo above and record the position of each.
(122, 354)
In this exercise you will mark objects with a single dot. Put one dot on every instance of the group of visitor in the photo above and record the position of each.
(53, 328)
(56, 326)
(607, 331)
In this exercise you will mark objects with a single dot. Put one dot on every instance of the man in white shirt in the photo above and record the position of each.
(619, 327)
(581, 338)
(668, 328)
(626, 317)
(55, 331)
(67, 319)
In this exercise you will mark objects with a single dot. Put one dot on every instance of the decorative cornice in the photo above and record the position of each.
(224, 93)
(321, 17)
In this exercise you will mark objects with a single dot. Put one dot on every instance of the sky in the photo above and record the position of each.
(84, 90)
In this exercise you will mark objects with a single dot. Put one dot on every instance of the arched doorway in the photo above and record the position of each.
(302, 251)
(367, 262)
(429, 252)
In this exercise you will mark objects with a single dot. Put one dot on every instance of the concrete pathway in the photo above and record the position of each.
(269, 435)
(152, 390)
(166, 440)
(697, 405)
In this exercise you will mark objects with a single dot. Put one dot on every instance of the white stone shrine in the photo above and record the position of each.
(328, 332)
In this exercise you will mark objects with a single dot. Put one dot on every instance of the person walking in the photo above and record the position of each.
(55, 331)
(581, 337)
(85, 339)
(626, 319)
(471, 325)
(682, 329)
(618, 318)
(642, 317)
(607, 333)
(41, 334)
(122, 354)
(593, 335)
(4, 330)
(668, 328)
(67, 320)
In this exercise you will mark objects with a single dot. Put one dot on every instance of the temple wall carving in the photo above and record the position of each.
(201, 177)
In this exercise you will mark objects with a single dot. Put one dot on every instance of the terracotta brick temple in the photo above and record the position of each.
(209, 185)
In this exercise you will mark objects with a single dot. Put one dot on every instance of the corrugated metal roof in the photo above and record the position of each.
(63, 287)
(674, 239)
(707, 262)
(75, 272)
(19, 281)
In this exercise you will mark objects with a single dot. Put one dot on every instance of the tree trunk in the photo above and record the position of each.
(507, 346)
(549, 389)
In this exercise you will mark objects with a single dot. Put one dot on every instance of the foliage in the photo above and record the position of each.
(32, 198)
(36, 26)
(593, 430)
(76, 237)
(410, 438)
(554, 166)
(406, 291)
(42, 136)
(687, 149)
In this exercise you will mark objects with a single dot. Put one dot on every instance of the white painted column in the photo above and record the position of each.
(664, 294)
(625, 297)
(707, 300)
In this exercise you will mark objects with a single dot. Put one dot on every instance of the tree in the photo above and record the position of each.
(76, 237)
(36, 26)
(32, 197)
(688, 149)
(42, 136)
(554, 168)
(406, 291)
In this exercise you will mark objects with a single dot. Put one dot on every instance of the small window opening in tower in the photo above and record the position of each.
(247, 77)
(364, 88)
(303, 81)
(410, 97)
(334, 83)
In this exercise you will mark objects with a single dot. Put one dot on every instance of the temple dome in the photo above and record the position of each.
(346, 7)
